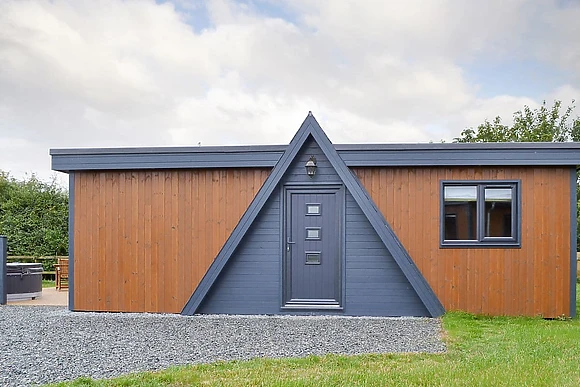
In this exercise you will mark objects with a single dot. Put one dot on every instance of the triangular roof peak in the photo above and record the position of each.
(310, 127)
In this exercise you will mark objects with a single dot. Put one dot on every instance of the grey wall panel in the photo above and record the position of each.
(325, 172)
(375, 285)
(250, 281)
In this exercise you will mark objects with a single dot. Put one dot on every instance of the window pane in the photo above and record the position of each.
(498, 212)
(460, 212)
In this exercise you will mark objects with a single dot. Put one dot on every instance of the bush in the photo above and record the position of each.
(34, 216)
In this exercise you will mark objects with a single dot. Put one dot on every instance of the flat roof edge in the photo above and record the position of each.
(167, 150)
(354, 155)
(338, 147)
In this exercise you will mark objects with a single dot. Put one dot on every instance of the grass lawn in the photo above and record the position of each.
(489, 351)
(48, 284)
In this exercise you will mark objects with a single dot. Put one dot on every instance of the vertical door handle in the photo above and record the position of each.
(288, 243)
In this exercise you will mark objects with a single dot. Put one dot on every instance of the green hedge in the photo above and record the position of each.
(33, 216)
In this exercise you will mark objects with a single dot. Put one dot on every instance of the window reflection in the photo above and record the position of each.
(498, 212)
(460, 212)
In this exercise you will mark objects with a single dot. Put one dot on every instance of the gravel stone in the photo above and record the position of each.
(42, 344)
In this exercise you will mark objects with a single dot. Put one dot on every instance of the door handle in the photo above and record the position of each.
(288, 243)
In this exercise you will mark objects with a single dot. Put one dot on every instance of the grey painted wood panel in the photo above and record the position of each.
(325, 173)
(375, 285)
(250, 282)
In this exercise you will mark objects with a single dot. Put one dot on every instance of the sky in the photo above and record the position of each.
(111, 73)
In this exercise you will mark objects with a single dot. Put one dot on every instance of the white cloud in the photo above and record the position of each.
(117, 73)
(417, 28)
(482, 109)
(565, 93)
(556, 36)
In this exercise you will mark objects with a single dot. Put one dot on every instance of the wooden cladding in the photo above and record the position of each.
(144, 239)
(531, 280)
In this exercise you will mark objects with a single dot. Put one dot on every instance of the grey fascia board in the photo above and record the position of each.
(471, 154)
(354, 155)
(66, 160)
(168, 150)
(152, 165)
(458, 146)
(451, 157)
(339, 148)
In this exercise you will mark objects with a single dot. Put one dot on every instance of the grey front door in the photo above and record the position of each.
(313, 239)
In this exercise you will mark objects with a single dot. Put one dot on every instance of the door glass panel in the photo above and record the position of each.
(313, 209)
(460, 212)
(313, 233)
(498, 212)
(313, 258)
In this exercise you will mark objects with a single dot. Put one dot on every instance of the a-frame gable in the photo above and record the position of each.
(310, 127)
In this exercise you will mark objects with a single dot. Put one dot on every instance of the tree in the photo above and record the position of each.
(34, 216)
(539, 125)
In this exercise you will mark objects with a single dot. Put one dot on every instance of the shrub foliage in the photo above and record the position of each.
(34, 216)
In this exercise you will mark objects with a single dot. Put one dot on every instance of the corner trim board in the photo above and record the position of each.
(573, 241)
(71, 244)
(3, 254)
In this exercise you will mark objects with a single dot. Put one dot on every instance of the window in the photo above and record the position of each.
(480, 213)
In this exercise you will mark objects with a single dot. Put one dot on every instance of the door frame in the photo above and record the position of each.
(285, 264)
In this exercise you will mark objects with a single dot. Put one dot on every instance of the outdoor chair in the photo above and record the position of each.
(61, 275)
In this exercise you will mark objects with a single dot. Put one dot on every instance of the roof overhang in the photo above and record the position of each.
(354, 155)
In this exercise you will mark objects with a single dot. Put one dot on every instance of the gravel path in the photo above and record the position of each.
(47, 344)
